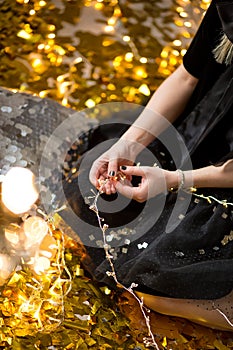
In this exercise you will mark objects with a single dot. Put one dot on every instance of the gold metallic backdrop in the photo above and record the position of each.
(85, 52)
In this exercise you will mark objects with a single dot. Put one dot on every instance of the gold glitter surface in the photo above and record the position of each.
(82, 53)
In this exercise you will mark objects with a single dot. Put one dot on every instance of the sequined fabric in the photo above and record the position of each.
(26, 123)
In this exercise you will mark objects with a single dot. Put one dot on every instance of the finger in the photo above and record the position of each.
(112, 167)
(101, 182)
(108, 188)
(125, 190)
(98, 169)
(94, 174)
(113, 188)
(93, 180)
(131, 192)
(132, 170)
(106, 185)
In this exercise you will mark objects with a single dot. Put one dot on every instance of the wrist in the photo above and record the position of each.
(172, 179)
(178, 180)
(132, 143)
(138, 135)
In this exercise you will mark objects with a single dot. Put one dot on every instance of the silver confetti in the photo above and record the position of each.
(143, 245)
(179, 253)
(6, 109)
(181, 216)
(224, 215)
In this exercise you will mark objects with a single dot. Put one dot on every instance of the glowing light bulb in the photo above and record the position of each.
(12, 237)
(18, 190)
(173, 61)
(144, 90)
(140, 72)
(24, 35)
(90, 103)
(43, 93)
(77, 60)
(186, 35)
(42, 3)
(178, 22)
(163, 64)
(98, 6)
(40, 46)
(7, 265)
(126, 38)
(111, 87)
(112, 21)
(188, 24)
(63, 87)
(59, 50)
(36, 62)
(183, 52)
(35, 229)
(41, 265)
(164, 54)
(52, 27)
(183, 14)
(109, 29)
(107, 291)
(60, 78)
(175, 53)
(51, 35)
(129, 56)
(143, 60)
(177, 42)
(64, 101)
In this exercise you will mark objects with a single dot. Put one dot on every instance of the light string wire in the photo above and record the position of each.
(94, 207)
(58, 289)
(225, 204)
(61, 266)
(103, 226)
(224, 316)
(209, 199)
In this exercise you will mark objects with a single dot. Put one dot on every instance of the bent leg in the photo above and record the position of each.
(205, 312)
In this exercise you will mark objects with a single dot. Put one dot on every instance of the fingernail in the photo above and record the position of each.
(123, 167)
(111, 173)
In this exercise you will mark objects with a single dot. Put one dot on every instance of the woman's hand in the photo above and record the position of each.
(154, 181)
(107, 166)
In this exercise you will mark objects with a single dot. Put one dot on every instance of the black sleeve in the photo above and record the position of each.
(199, 53)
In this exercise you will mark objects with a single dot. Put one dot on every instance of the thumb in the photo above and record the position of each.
(125, 190)
(132, 170)
(94, 174)
(130, 192)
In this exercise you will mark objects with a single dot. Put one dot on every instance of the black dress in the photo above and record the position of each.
(190, 259)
